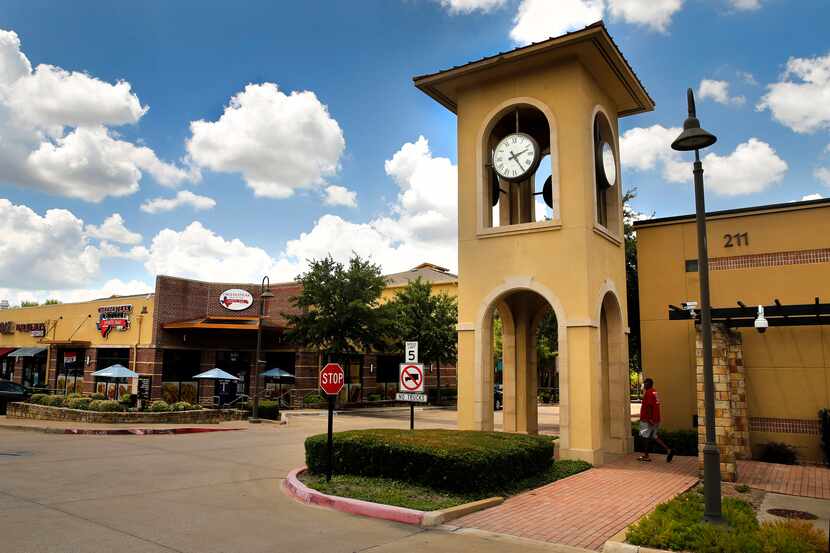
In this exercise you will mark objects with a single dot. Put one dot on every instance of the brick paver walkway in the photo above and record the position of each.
(806, 481)
(587, 509)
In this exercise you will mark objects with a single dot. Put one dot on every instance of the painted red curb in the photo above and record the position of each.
(303, 493)
(143, 431)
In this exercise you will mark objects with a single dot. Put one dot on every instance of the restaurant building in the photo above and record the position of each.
(186, 327)
(769, 386)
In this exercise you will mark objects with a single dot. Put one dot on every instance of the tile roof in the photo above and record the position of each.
(427, 271)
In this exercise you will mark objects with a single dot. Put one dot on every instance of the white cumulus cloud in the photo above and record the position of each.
(719, 92)
(752, 167)
(655, 14)
(55, 131)
(114, 229)
(809, 197)
(469, 6)
(340, 195)
(278, 142)
(745, 5)
(182, 198)
(538, 20)
(422, 227)
(823, 174)
(801, 99)
(44, 251)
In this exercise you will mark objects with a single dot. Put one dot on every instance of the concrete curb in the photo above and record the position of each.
(620, 547)
(299, 491)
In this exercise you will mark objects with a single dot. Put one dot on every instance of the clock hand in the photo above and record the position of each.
(515, 157)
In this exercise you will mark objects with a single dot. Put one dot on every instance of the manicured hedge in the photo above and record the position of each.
(683, 442)
(461, 461)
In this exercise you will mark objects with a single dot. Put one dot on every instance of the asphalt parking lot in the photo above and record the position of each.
(210, 492)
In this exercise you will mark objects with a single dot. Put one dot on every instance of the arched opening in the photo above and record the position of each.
(522, 353)
(606, 175)
(520, 187)
(614, 391)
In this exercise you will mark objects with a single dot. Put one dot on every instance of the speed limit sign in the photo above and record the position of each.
(411, 352)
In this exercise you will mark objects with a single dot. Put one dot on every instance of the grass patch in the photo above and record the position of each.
(678, 525)
(423, 498)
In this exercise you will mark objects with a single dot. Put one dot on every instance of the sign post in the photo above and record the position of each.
(411, 386)
(331, 382)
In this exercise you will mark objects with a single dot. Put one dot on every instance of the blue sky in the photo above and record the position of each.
(393, 194)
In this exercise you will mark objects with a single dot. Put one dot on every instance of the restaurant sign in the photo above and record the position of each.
(236, 299)
(113, 317)
(38, 330)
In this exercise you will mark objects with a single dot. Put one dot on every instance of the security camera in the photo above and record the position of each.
(689, 305)
(761, 323)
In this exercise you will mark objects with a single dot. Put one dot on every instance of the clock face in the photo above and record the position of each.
(516, 157)
(609, 163)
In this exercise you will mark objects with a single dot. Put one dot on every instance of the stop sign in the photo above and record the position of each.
(332, 379)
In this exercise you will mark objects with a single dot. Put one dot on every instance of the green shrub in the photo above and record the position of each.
(126, 398)
(445, 459)
(105, 405)
(183, 406)
(267, 409)
(678, 526)
(38, 399)
(791, 536)
(313, 399)
(742, 488)
(97, 396)
(374, 397)
(159, 406)
(73, 396)
(779, 453)
(683, 442)
(53, 401)
(78, 403)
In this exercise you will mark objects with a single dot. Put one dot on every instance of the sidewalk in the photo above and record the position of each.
(801, 480)
(589, 508)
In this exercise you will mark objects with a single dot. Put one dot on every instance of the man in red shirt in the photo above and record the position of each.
(650, 421)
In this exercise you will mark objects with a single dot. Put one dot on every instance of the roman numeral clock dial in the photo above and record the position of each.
(516, 157)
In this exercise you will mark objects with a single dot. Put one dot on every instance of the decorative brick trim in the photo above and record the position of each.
(773, 259)
(787, 426)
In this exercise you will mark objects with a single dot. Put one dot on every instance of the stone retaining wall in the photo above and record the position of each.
(43, 412)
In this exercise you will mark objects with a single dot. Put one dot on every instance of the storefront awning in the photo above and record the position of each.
(5, 351)
(216, 323)
(26, 352)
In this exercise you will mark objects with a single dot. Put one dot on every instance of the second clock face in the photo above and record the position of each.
(516, 157)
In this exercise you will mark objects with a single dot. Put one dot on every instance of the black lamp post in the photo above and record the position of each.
(695, 138)
(264, 294)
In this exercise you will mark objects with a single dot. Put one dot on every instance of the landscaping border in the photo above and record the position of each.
(299, 491)
(32, 411)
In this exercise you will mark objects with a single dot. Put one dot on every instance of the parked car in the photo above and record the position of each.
(10, 392)
(498, 397)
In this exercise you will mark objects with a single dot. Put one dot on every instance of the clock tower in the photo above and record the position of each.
(540, 236)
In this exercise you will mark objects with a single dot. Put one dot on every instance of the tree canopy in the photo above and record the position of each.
(427, 318)
(339, 307)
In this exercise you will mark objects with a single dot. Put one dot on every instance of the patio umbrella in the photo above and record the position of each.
(115, 371)
(279, 374)
(216, 374)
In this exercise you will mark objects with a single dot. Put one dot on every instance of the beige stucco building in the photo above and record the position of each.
(757, 256)
(522, 257)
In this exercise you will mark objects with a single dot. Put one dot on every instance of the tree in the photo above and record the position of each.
(429, 319)
(632, 282)
(27, 303)
(339, 308)
(547, 348)
(52, 302)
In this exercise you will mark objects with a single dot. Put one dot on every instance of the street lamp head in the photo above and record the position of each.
(266, 288)
(693, 136)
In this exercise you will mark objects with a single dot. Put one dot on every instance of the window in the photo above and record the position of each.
(691, 265)
(177, 371)
(70, 371)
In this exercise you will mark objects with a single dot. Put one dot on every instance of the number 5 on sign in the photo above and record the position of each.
(411, 352)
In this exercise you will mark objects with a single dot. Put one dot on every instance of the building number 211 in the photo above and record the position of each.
(732, 240)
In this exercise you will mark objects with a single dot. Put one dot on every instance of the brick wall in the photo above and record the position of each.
(731, 419)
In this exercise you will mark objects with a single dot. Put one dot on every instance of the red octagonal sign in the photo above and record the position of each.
(332, 379)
